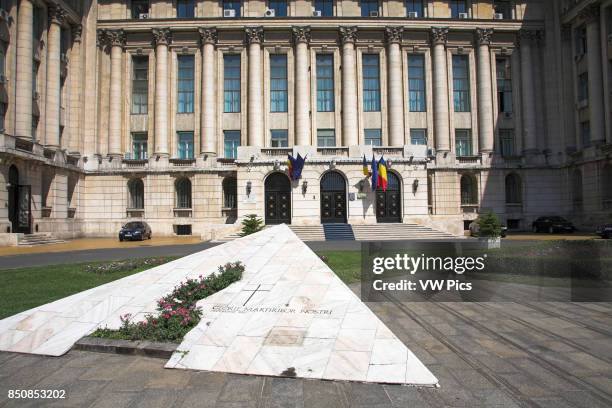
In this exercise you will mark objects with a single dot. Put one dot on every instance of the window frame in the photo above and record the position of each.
(371, 82)
(325, 77)
(415, 5)
(190, 8)
(278, 5)
(327, 5)
(183, 199)
(232, 97)
(464, 135)
(367, 6)
(461, 83)
(413, 133)
(234, 136)
(185, 149)
(140, 145)
(417, 98)
(279, 83)
(368, 138)
(140, 86)
(457, 7)
(185, 105)
(279, 135)
(331, 136)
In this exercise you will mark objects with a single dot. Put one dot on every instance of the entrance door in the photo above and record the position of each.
(333, 198)
(278, 199)
(388, 203)
(19, 204)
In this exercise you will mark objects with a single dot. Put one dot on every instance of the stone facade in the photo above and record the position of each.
(536, 109)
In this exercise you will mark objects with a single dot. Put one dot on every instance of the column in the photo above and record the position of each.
(53, 98)
(350, 135)
(116, 39)
(439, 37)
(395, 89)
(162, 38)
(301, 37)
(591, 14)
(74, 144)
(208, 130)
(530, 145)
(103, 74)
(567, 103)
(254, 38)
(23, 78)
(485, 97)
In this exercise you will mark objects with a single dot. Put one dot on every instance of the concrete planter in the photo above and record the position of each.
(490, 242)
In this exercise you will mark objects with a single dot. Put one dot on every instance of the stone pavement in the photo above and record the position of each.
(485, 355)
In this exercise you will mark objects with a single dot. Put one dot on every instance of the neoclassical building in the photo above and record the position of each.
(182, 113)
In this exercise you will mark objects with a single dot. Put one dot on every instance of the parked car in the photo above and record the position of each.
(552, 225)
(138, 230)
(604, 231)
(474, 229)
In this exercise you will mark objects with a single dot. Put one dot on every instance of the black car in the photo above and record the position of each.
(552, 225)
(138, 230)
(604, 231)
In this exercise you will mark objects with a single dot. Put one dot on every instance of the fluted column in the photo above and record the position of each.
(103, 89)
(568, 104)
(52, 101)
(485, 98)
(530, 145)
(162, 37)
(301, 37)
(350, 135)
(208, 131)
(23, 76)
(596, 102)
(116, 40)
(254, 37)
(395, 90)
(74, 143)
(439, 37)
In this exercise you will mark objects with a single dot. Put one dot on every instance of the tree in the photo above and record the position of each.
(251, 224)
(489, 226)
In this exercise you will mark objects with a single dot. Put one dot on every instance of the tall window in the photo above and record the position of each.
(514, 193)
(371, 82)
(463, 142)
(136, 192)
(326, 7)
(507, 144)
(231, 141)
(369, 8)
(140, 85)
(139, 146)
(232, 5)
(2, 116)
(185, 8)
(585, 133)
(279, 138)
(185, 83)
(326, 138)
(183, 193)
(231, 83)
(577, 194)
(140, 7)
(418, 136)
(580, 36)
(373, 137)
(503, 7)
(415, 6)
(469, 191)
(230, 193)
(2, 59)
(325, 83)
(504, 85)
(606, 186)
(458, 7)
(461, 83)
(278, 83)
(416, 82)
(583, 88)
(279, 7)
(185, 145)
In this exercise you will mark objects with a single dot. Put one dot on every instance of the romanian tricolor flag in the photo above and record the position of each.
(290, 161)
(382, 174)
(366, 169)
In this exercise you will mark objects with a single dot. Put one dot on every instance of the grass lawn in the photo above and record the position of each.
(24, 288)
(346, 264)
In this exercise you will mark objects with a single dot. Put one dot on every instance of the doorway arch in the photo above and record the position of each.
(389, 203)
(333, 198)
(277, 199)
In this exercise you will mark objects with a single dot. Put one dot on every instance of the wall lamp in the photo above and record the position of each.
(415, 186)
(304, 186)
(249, 188)
(276, 164)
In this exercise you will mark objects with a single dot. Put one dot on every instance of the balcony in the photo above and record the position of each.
(469, 208)
(23, 144)
(182, 212)
(277, 151)
(333, 151)
(389, 151)
(135, 212)
(177, 162)
(133, 161)
(473, 160)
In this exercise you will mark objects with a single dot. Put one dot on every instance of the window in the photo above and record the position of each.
(463, 142)
(585, 133)
(185, 83)
(2, 116)
(580, 36)
(231, 83)
(326, 7)
(279, 7)
(232, 5)
(606, 186)
(183, 193)
(140, 85)
(415, 6)
(230, 143)
(458, 7)
(185, 8)
(371, 83)
(469, 192)
(577, 190)
(506, 141)
(139, 146)
(140, 7)
(136, 192)
(369, 8)
(416, 83)
(461, 83)
(2, 59)
(38, 22)
(373, 137)
(279, 138)
(34, 79)
(230, 193)
(514, 194)
(418, 136)
(326, 138)
(503, 7)
(278, 83)
(185, 145)
(583, 89)
(504, 85)
(325, 83)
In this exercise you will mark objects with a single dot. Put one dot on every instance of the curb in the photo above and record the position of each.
(141, 348)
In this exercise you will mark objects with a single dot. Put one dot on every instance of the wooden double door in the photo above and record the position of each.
(278, 199)
(333, 198)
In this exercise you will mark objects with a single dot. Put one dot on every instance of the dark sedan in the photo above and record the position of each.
(604, 231)
(135, 230)
(552, 225)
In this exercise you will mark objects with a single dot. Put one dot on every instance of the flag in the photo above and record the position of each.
(374, 174)
(290, 161)
(382, 173)
(366, 169)
(298, 166)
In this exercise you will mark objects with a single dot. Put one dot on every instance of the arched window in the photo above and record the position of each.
(136, 190)
(514, 193)
(469, 190)
(183, 193)
(230, 193)
(577, 189)
(606, 186)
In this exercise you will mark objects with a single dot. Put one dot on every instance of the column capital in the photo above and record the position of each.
(254, 35)
(484, 36)
(439, 35)
(116, 38)
(101, 38)
(394, 34)
(56, 14)
(301, 34)
(525, 36)
(77, 33)
(591, 13)
(208, 35)
(348, 34)
(161, 36)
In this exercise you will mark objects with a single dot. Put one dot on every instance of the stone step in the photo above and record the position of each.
(36, 239)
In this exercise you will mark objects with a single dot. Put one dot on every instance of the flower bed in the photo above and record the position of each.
(177, 311)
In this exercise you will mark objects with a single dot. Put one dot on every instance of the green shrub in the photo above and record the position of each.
(489, 226)
(251, 224)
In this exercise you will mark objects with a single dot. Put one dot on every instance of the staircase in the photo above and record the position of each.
(28, 240)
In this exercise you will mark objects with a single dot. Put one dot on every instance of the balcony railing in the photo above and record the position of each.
(333, 151)
(389, 151)
(468, 159)
(276, 151)
(182, 212)
(135, 212)
(469, 208)
(178, 162)
(23, 144)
